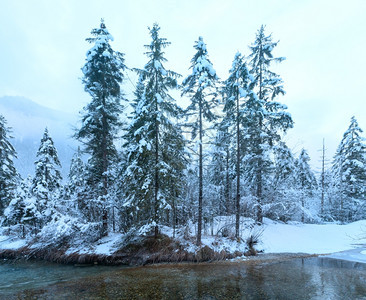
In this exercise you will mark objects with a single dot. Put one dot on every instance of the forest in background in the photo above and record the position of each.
(223, 155)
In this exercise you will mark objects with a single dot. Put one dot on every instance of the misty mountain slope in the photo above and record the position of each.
(28, 121)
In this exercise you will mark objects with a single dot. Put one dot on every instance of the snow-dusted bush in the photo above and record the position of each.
(59, 231)
(146, 229)
(89, 232)
(253, 238)
(225, 226)
(249, 205)
(65, 230)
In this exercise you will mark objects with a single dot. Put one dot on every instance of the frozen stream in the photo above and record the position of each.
(273, 277)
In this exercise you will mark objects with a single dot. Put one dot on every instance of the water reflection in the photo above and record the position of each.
(310, 278)
(20, 275)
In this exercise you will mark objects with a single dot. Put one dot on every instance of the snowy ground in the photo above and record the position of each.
(7, 242)
(347, 242)
(312, 238)
(106, 246)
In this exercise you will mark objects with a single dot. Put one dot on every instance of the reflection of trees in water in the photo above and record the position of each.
(293, 279)
(341, 279)
(286, 280)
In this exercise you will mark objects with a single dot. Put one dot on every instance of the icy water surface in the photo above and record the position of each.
(309, 278)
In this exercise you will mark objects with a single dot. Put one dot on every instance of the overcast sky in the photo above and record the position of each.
(43, 48)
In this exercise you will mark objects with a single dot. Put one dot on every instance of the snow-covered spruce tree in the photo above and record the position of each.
(322, 182)
(130, 215)
(282, 203)
(265, 118)
(76, 182)
(338, 210)
(284, 166)
(221, 172)
(305, 179)
(349, 169)
(31, 213)
(155, 145)
(200, 86)
(13, 214)
(217, 178)
(330, 194)
(8, 173)
(47, 179)
(18, 212)
(237, 89)
(100, 118)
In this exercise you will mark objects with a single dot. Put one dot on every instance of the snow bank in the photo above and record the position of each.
(312, 238)
(346, 242)
(105, 246)
(11, 243)
(108, 244)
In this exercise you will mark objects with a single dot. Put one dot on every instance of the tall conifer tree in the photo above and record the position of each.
(155, 145)
(266, 118)
(237, 88)
(221, 167)
(47, 179)
(8, 173)
(305, 179)
(103, 74)
(284, 167)
(76, 181)
(200, 86)
(349, 169)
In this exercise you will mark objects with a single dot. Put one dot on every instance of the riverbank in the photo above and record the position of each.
(137, 247)
(273, 237)
(141, 251)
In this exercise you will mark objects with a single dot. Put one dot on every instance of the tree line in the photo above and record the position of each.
(222, 155)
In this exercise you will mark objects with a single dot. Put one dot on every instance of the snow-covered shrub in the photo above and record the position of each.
(291, 205)
(4, 230)
(89, 232)
(226, 228)
(249, 205)
(65, 230)
(282, 211)
(187, 230)
(147, 229)
(252, 237)
(59, 231)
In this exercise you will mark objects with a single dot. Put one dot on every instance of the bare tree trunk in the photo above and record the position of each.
(156, 204)
(174, 217)
(342, 213)
(259, 171)
(113, 220)
(227, 183)
(156, 191)
(200, 179)
(237, 204)
(259, 196)
(104, 175)
(323, 181)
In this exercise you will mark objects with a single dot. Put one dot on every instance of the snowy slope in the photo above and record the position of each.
(28, 121)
